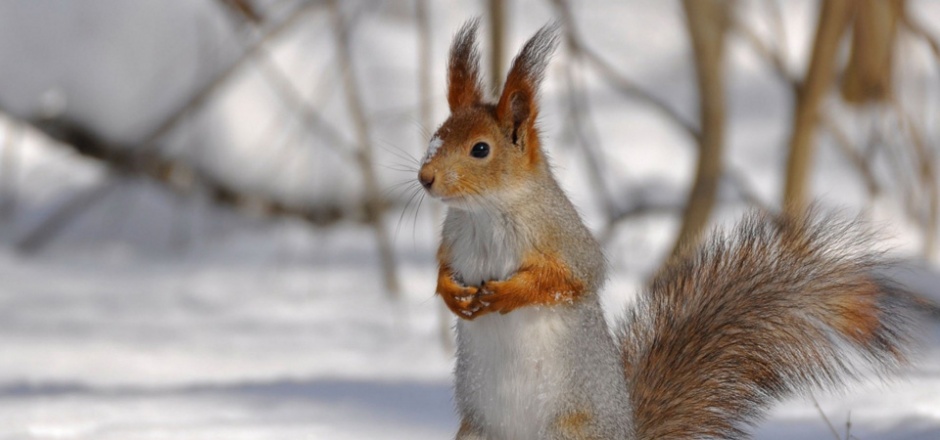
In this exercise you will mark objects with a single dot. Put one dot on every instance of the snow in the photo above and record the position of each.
(435, 144)
(157, 316)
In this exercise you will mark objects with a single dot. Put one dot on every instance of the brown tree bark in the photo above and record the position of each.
(497, 13)
(833, 19)
(874, 31)
(707, 22)
(375, 211)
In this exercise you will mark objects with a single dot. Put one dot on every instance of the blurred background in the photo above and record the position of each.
(210, 225)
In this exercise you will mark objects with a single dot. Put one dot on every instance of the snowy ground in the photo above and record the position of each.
(158, 318)
(298, 346)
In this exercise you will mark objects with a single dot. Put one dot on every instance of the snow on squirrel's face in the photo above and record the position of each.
(470, 157)
(433, 146)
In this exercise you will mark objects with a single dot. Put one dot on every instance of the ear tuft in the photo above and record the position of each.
(463, 71)
(517, 107)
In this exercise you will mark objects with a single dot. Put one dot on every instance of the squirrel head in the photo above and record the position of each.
(486, 151)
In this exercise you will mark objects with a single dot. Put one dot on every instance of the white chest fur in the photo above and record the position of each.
(483, 246)
(509, 370)
(507, 364)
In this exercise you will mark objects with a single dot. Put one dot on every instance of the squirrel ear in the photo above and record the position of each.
(463, 69)
(517, 108)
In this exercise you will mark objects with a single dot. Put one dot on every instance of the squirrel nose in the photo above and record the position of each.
(426, 179)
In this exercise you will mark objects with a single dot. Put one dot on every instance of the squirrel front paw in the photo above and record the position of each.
(494, 297)
(463, 301)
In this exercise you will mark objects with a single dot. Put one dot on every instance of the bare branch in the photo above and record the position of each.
(616, 79)
(774, 57)
(626, 86)
(845, 145)
(916, 28)
(200, 98)
(364, 156)
(50, 226)
(833, 18)
(291, 96)
(578, 114)
(497, 14)
(707, 22)
(245, 9)
(928, 177)
(127, 161)
(832, 428)
(11, 140)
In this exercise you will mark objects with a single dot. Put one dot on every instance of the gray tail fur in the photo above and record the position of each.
(777, 307)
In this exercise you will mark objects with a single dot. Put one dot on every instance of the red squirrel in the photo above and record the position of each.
(777, 306)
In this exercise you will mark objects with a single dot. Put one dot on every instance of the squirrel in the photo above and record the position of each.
(780, 305)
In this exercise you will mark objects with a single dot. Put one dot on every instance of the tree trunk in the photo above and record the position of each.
(364, 159)
(874, 31)
(833, 18)
(497, 13)
(707, 21)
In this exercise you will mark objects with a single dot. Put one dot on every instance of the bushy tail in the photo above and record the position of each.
(778, 306)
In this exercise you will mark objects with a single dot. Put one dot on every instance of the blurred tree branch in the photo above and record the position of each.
(924, 162)
(11, 140)
(288, 93)
(579, 116)
(614, 78)
(916, 28)
(127, 161)
(868, 75)
(426, 116)
(833, 19)
(707, 22)
(776, 58)
(61, 215)
(200, 98)
(496, 10)
(364, 158)
(246, 9)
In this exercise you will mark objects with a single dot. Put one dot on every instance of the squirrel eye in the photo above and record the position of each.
(480, 150)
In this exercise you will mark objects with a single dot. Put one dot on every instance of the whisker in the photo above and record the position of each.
(414, 222)
(400, 167)
(400, 153)
(401, 217)
(425, 132)
(398, 187)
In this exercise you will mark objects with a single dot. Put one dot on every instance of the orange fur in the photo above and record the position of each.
(576, 425)
(463, 301)
(466, 429)
(463, 69)
(542, 280)
(855, 314)
(454, 176)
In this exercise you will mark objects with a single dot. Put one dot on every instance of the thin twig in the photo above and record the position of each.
(363, 155)
(928, 179)
(707, 22)
(578, 113)
(918, 30)
(617, 80)
(11, 139)
(832, 428)
(774, 57)
(177, 175)
(628, 87)
(426, 115)
(288, 93)
(76, 204)
(833, 20)
(200, 98)
(845, 145)
(496, 10)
